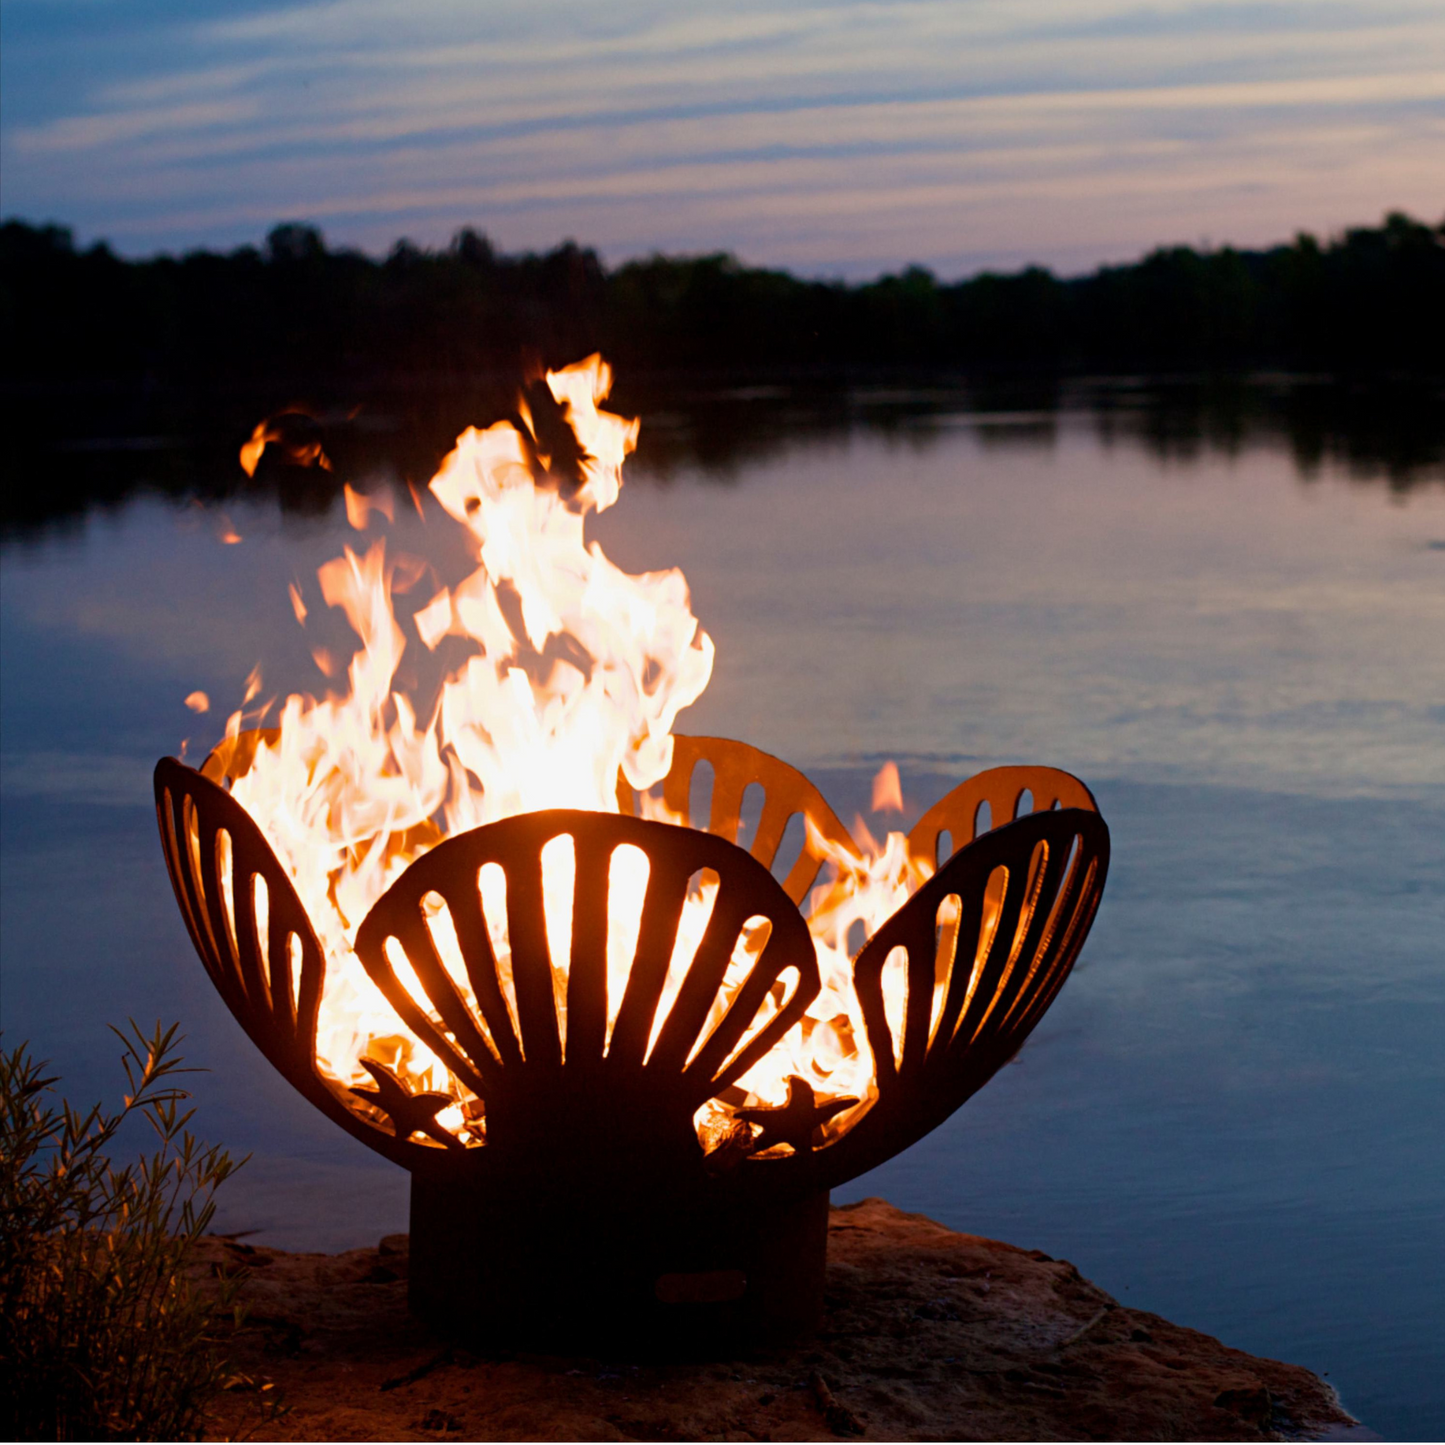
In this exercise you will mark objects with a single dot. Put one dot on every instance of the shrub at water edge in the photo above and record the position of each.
(102, 1333)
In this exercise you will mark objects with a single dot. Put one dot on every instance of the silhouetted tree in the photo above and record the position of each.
(1370, 301)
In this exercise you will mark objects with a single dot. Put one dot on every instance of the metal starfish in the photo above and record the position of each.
(409, 1113)
(796, 1121)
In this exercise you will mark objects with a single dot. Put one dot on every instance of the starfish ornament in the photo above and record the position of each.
(409, 1113)
(796, 1121)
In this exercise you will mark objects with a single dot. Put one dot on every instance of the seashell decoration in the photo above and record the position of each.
(582, 1204)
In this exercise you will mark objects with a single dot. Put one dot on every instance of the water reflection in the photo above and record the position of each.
(1233, 1112)
(95, 451)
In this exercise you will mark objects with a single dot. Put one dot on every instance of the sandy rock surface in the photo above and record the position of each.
(928, 1335)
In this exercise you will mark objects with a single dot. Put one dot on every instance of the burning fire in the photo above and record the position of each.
(573, 670)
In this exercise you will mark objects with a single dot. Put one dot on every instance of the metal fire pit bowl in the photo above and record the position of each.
(591, 1218)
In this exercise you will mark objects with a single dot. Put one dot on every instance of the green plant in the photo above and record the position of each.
(103, 1335)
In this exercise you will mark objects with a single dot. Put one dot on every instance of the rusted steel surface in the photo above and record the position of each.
(959, 813)
(577, 1094)
(786, 793)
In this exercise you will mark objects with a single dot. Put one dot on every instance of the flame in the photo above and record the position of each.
(360, 506)
(572, 671)
(888, 790)
(305, 452)
(252, 448)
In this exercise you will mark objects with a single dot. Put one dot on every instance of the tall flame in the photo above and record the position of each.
(574, 670)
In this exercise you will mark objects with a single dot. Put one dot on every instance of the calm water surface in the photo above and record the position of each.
(1234, 1115)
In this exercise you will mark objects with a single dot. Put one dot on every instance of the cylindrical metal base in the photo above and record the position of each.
(609, 1278)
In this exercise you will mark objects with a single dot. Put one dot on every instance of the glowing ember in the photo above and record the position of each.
(574, 671)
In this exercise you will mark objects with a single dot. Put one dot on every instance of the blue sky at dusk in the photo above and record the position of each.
(837, 139)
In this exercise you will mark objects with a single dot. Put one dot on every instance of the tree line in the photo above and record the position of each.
(1365, 302)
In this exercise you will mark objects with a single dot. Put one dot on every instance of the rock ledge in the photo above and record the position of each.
(928, 1335)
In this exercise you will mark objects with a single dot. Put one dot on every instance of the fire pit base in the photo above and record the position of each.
(570, 1275)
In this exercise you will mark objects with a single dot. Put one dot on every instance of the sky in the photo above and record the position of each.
(837, 139)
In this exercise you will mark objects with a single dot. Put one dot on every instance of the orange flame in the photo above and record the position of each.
(574, 671)
(887, 790)
(360, 506)
(303, 453)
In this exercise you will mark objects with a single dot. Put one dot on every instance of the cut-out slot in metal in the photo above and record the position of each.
(559, 883)
(750, 815)
(702, 896)
(699, 795)
(492, 887)
(751, 943)
(895, 999)
(628, 872)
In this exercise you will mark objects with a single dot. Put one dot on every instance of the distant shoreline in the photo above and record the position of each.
(1367, 303)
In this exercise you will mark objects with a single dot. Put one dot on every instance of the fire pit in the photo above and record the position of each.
(622, 1068)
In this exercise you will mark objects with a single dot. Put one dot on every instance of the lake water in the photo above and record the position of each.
(1233, 1115)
